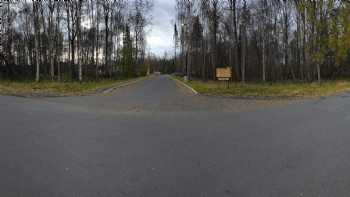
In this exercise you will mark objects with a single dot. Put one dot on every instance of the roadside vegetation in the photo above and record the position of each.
(274, 48)
(270, 90)
(72, 47)
(49, 88)
(263, 41)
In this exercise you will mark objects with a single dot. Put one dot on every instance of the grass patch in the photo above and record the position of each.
(287, 89)
(56, 88)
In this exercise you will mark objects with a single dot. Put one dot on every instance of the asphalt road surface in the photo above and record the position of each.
(157, 139)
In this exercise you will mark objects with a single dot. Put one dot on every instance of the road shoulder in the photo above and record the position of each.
(267, 91)
(183, 84)
(65, 89)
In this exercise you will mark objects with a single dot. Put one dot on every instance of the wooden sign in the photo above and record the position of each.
(224, 74)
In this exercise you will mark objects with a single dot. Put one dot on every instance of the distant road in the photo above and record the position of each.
(156, 139)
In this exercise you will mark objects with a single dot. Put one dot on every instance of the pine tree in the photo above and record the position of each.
(127, 56)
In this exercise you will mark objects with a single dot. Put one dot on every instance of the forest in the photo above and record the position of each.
(73, 40)
(263, 40)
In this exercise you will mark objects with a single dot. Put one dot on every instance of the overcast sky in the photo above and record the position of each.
(160, 35)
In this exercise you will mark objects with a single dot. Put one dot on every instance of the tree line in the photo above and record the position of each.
(73, 40)
(263, 40)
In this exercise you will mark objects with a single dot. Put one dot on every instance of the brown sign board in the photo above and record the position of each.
(223, 74)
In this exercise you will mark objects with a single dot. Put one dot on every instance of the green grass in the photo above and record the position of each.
(287, 89)
(64, 88)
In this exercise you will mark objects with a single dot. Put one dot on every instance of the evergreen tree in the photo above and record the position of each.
(127, 56)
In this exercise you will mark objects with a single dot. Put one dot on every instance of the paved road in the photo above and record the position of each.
(156, 139)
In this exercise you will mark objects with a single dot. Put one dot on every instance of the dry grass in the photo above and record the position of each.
(288, 89)
(56, 88)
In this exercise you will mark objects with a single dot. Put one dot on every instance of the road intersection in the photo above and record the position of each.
(155, 138)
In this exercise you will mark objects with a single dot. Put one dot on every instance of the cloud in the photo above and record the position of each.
(160, 34)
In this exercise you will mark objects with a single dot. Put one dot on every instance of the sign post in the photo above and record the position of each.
(224, 74)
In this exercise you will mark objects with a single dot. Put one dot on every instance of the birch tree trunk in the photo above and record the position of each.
(263, 60)
(51, 38)
(79, 37)
(36, 42)
(57, 51)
